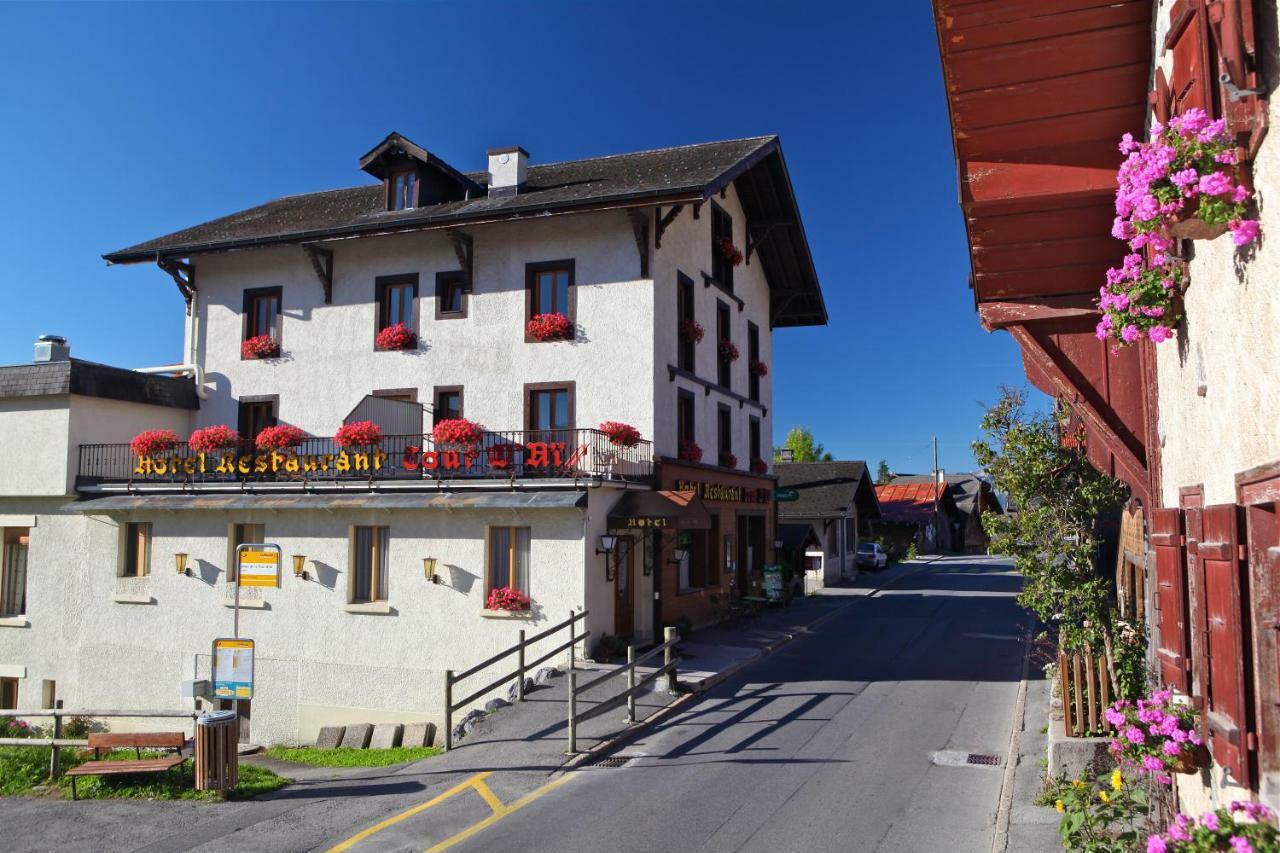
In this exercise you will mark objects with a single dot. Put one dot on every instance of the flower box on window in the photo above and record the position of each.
(691, 331)
(260, 346)
(728, 350)
(728, 460)
(457, 432)
(731, 253)
(690, 451)
(213, 439)
(508, 599)
(358, 434)
(759, 368)
(153, 441)
(620, 434)
(279, 438)
(397, 336)
(550, 327)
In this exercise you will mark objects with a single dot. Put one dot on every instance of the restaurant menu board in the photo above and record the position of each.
(232, 669)
(773, 582)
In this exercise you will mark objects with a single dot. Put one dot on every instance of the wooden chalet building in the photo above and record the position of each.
(1039, 95)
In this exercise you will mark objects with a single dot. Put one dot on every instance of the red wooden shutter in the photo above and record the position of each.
(1231, 24)
(1227, 643)
(1261, 497)
(1171, 608)
(1197, 626)
(1192, 83)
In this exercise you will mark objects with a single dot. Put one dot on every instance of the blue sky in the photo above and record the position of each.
(127, 122)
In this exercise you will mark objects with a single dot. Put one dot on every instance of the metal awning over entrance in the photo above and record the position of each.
(573, 499)
(678, 510)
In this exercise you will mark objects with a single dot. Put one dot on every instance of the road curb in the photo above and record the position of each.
(1004, 810)
(661, 715)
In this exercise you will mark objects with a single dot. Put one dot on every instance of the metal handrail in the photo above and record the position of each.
(667, 648)
(522, 666)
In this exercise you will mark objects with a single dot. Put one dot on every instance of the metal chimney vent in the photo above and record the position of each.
(51, 348)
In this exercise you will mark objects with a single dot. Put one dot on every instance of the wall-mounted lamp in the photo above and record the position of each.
(429, 569)
(608, 544)
(678, 555)
(300, 566)
(180, 563)
(777, 544)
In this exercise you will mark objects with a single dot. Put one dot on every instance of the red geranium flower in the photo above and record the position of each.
(507, 598)
(759, 368)
(620, 434)
(728, 460)
(457, 431)
(358, 434)
(550, 327)
(153, 441)
(396, 337)
(759, 466)
(728, 350)
(260, 346)
(214, 438)
(692, 331)
(728, 251)
(690, 451)
(279, 438)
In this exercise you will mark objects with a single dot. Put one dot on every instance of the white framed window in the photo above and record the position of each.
(368, 564)
(13, 571)
(508, 559)
(135, 549)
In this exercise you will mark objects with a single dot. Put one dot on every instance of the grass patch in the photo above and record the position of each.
(348, 757)
(25, 770)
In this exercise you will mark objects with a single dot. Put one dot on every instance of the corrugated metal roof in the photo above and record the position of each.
(908, 501)
(568, 499)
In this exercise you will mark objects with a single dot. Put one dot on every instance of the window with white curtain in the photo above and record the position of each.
(13, 572)
(508, 558)
(369, 547)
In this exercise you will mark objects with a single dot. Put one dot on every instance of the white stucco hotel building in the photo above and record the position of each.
(628, 248)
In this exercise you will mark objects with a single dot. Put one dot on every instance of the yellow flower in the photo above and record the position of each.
(1104, 796)
(1058, 805)
(1077, 784)
(1116, 779)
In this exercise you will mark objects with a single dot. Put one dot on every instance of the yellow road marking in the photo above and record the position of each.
(408, 813)
(489, 797)
(498, 814)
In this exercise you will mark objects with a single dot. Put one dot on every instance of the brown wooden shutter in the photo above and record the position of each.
(1226, 711)
(1234, 45)
(1193, 532)
(1170, 599)
(1192, 83)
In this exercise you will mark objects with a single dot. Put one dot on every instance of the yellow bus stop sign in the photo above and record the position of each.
(259, 566)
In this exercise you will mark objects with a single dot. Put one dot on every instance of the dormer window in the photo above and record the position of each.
(404, 190)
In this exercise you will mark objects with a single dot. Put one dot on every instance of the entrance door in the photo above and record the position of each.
(624, 599)
(657, 567)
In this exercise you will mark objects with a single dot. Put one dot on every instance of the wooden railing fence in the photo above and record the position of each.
(523, 666)
(1086, 691)
(634, 687)
(57, 742)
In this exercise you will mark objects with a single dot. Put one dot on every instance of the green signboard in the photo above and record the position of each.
(787, 495)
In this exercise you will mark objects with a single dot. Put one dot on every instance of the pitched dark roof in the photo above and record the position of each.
(668, 176)
(965, 489)
(826, 489)
(88, 379)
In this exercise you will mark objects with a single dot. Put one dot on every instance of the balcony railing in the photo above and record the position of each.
(511, 455)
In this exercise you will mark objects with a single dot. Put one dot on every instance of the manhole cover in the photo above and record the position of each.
(613, 761)
(985, 760)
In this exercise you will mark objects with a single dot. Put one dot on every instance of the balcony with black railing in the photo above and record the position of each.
(581, 454)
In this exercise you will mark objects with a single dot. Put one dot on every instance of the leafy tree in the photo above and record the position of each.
(1059, 496)
(883, 475)
(802, 446)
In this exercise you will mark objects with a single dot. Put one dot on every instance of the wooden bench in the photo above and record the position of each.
(137, 741)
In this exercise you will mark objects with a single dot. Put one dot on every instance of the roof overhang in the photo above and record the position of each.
(332, 502)
(1039, 95)
(658, 510)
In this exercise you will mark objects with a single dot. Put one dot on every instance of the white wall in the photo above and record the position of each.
(686, 247)
(33, 443)
(329, 360)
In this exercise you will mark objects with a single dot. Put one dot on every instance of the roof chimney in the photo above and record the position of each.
(52, 348)
(508, 169)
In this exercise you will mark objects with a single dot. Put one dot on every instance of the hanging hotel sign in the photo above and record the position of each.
(725, 494)
(232, 668)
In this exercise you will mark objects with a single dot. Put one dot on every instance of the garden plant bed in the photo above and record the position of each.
(348, 757)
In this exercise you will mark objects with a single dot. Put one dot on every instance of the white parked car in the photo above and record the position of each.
(871, 556)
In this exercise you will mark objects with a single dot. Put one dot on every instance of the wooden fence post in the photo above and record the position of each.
(573, 712)
(668, 657)
(520, 669)
(631, 684)
(54, 764)
(448, 710)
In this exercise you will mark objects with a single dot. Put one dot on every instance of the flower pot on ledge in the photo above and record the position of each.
(1192, 759)
(1194, 228)
(488, 613)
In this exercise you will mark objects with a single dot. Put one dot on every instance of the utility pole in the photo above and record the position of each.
(937, 533)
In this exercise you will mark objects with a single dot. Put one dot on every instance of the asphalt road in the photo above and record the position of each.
(854, 738)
